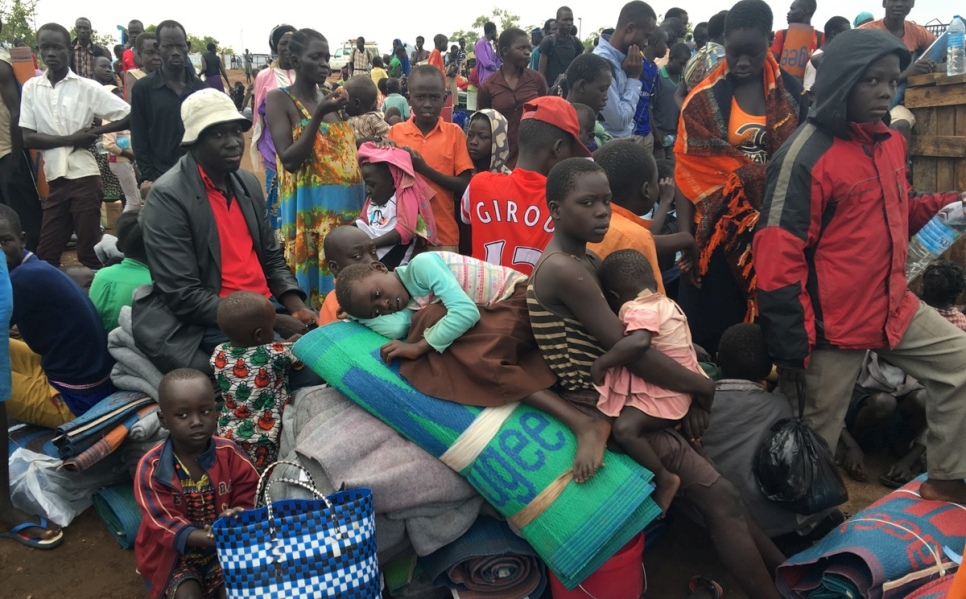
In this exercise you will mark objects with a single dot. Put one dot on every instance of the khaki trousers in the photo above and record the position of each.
(934, 352)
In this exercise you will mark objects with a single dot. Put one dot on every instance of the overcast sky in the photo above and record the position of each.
(383, 20)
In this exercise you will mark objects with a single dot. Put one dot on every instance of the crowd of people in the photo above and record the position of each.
(587, 233)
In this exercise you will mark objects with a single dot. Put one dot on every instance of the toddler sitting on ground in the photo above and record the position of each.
(653, 322)
(397, 214)
(252, 372)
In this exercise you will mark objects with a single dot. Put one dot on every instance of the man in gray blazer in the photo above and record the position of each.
(207, 235)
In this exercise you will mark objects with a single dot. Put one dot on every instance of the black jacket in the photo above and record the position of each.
(184, 255)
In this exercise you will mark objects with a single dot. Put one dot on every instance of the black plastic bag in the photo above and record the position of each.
(796, 469)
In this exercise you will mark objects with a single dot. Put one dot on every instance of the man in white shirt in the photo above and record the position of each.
(56, 114)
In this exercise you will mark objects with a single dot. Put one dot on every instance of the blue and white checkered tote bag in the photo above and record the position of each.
(294, 548)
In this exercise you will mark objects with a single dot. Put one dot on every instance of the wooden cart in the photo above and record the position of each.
(938, 146)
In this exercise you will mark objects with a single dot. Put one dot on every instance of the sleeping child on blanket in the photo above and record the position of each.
(462, 330)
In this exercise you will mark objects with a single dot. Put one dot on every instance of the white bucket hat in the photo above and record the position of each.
(205, 108)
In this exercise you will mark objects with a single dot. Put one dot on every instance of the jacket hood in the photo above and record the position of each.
(846, 58)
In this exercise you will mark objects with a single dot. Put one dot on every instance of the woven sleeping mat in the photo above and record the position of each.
(516, 457)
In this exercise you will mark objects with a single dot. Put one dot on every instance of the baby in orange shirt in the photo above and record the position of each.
(344, 246)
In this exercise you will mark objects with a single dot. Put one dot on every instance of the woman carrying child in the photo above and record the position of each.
(320, 186)
(467, 337)
(396, 215)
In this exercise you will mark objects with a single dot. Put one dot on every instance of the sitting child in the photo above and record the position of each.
(61, 366)
(468, 337)
(344, 246)
(182, 486)
(741, 417)
(652, 321)
(113, 286)
(367, 122)
(397, 214)
(942, 284)
(487, 142)
(887, 411)
(395, 99)
(588, 122)
(252, 372)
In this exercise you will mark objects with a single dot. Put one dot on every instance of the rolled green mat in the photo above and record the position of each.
(529, 452)
(119, 511)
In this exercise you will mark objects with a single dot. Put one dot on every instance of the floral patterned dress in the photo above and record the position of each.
(325, 193)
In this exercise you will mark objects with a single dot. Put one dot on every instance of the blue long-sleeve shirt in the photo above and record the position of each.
(6, 311)
(622, 96)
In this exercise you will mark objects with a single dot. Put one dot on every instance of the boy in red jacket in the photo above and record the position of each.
(830, 255)
(183, 485)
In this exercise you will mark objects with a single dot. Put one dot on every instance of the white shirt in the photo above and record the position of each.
(382, 220)
(65, 109)
(810, 70)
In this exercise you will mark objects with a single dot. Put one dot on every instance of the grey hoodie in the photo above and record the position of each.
(846, 58)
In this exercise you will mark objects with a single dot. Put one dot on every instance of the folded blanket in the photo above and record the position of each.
(937, 589)
(887, 550)
(107, 444)
(81, 433)
(414, 494)
(132, 369)
(119, 511)
(148, 427)
(488, 562)
(518, 458)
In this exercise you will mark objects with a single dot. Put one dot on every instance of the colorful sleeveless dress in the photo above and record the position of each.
(326, 192)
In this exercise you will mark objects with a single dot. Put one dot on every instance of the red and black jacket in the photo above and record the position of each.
(830, 247)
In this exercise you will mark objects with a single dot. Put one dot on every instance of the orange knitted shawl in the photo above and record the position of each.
(724, 185)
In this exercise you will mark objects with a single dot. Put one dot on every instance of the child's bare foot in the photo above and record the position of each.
(591, 442)
(853, 461)
(667, 485)
(953, 491)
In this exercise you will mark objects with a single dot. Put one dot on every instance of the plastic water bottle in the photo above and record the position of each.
(955, 53)
(935, 238)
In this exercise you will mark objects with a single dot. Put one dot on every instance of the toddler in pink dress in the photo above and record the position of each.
(653, 323)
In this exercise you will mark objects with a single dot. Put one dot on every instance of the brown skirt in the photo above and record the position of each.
(494, 363)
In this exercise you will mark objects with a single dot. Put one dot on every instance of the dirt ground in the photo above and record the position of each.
(91, 565)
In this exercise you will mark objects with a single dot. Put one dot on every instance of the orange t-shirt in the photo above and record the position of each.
(436, 60)
(329, 311)
(916, 37)
(746, 132)
(629, 232)
(444, 150)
